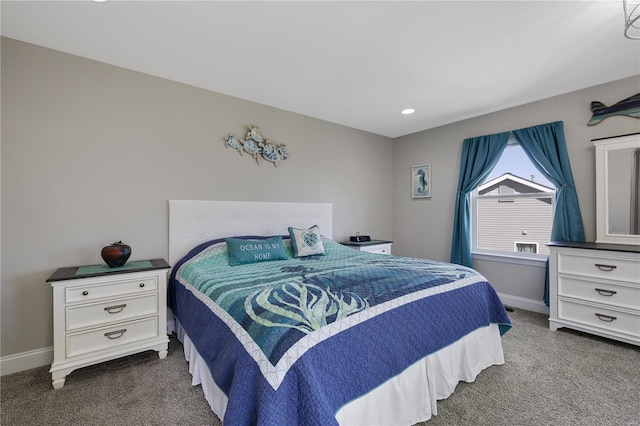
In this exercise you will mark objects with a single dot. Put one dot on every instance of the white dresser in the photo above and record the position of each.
(100, 314)
(373, 246)
(595, 288)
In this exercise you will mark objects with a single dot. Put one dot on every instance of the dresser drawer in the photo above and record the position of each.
(109, 289)
(96, 314)
(600, 292)
(595, 316)
(599, 267)
(111, 337)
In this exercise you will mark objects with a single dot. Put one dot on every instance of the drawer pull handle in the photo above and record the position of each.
(85, 293)
(118, 334)
(604, 292)
(606, 268)
(141, 285)
(606, 318)
(115, 309)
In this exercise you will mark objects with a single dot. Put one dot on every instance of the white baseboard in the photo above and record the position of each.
(39, 357)
(526, 304)
(26, 360)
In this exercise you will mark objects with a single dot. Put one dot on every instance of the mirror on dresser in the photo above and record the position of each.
(618, 189)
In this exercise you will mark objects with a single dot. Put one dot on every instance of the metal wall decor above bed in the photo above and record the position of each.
(257, 146)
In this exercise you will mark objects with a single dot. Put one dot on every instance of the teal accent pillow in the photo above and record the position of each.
(306, 242)
(249, 250)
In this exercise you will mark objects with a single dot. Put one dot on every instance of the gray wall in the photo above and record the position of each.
(423, 227)
(91, 153)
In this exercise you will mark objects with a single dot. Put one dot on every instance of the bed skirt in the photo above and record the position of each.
(432, 378)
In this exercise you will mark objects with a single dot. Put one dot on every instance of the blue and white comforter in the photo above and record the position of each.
(291, 341)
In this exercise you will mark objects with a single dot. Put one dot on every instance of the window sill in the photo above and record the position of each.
(514, 260)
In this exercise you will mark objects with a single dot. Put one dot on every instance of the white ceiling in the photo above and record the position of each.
(352, 63)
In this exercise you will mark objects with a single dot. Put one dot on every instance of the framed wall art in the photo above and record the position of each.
(421, 181)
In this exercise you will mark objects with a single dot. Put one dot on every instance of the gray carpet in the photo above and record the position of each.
(549, 378)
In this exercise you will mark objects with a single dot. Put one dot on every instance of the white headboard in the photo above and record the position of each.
(192, 222)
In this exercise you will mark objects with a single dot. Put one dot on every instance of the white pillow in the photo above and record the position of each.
(306, 242)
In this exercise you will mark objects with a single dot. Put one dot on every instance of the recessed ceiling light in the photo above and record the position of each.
(408, 111)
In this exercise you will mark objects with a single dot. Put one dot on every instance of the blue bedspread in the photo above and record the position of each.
(291, 341)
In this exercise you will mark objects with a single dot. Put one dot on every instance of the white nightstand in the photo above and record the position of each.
(373, 246)
(102, 313)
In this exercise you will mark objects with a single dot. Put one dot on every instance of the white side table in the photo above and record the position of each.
(102, 313)
(373, 246)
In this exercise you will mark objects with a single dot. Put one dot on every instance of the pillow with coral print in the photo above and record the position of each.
(306, 242)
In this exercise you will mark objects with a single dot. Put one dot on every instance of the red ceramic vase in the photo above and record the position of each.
(116, 254)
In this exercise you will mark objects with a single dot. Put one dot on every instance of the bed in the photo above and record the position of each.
(339, 337)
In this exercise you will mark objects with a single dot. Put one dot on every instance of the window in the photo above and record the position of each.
(526, 247)
(512, 209)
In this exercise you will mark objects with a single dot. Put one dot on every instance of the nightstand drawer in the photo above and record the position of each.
(88, 315)
(609, 319)
(378, 248)
(600, 292)
(111, 337)
(599, 267)
(373, 246)
(110, 289)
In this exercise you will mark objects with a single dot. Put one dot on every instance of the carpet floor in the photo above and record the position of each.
(549, 378)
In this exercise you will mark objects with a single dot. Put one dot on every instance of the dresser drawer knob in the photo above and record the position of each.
(606, 268)
(606, 318)
(115, 334)
(604, 292)
(115, 309)
(141, 285)
(85, 293)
